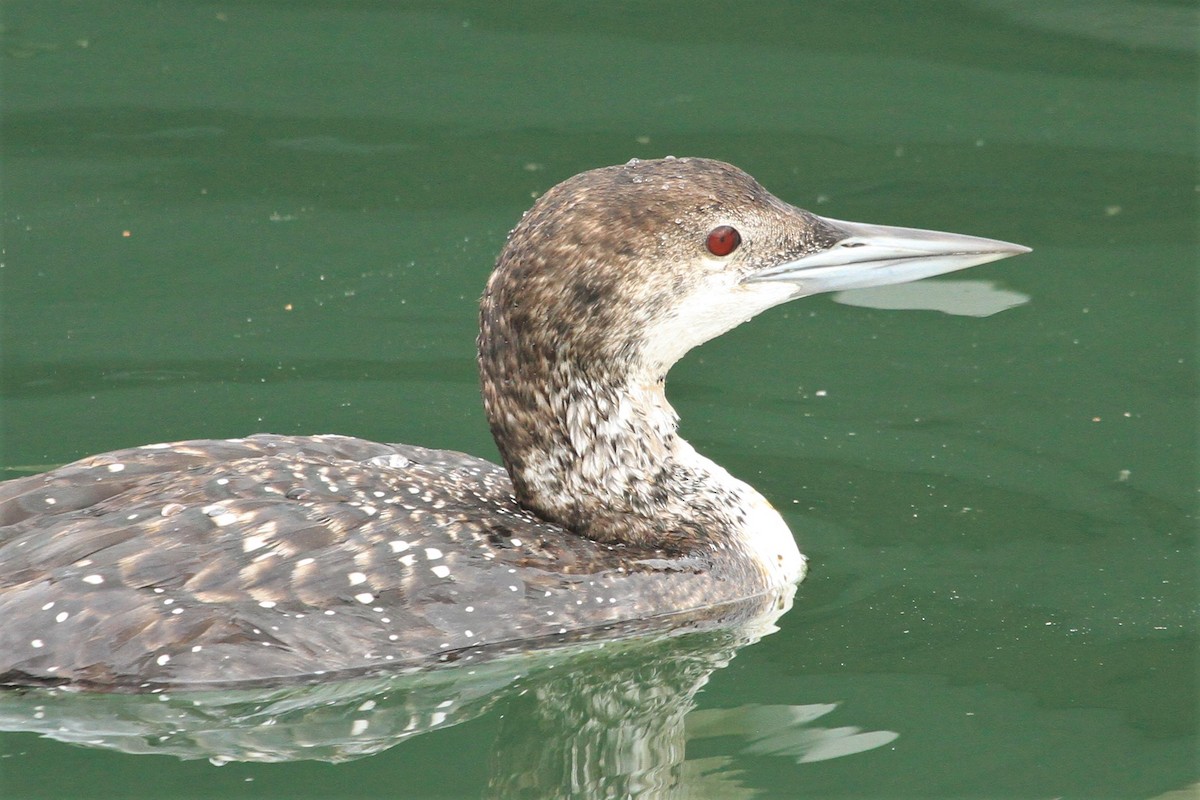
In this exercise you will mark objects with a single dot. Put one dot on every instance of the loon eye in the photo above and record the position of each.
(723, 240)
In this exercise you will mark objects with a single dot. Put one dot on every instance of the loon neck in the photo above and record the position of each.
(600, 453)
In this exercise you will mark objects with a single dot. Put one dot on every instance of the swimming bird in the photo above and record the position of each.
(279, 558)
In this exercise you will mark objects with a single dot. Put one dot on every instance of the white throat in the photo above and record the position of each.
(761, 533)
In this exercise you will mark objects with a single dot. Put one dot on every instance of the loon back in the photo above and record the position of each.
(278, 558)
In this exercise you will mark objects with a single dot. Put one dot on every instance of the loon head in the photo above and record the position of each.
(614, 275)
(636, 264)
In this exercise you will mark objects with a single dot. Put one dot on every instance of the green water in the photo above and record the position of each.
(223, 218)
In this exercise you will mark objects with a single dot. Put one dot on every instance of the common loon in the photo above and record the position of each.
(277, 558)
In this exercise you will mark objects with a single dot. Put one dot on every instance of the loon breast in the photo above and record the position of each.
(278, 558)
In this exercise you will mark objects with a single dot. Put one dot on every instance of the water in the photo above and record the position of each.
(228, 218)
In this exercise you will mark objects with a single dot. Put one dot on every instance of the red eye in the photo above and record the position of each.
(723, 240)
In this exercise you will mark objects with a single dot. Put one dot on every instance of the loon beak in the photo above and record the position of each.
(878, 255)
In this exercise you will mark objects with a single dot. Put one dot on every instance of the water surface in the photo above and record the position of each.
(277, 216)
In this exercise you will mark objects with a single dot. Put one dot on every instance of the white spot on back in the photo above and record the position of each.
(393, 460)
(95, 580)
(441, 570)
(356, 578)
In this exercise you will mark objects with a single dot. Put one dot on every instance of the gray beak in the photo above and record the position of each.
(877, 255)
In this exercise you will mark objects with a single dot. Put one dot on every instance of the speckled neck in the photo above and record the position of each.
(603, 459)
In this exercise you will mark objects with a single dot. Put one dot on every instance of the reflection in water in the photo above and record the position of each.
(608, 717)
(959, 297)
(784, 731)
